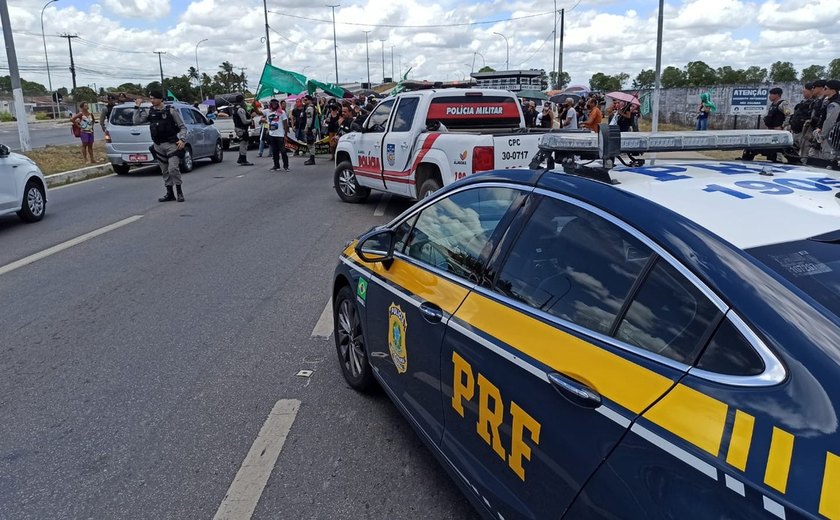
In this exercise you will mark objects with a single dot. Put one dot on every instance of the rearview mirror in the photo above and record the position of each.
(4, 150)
(376, 246)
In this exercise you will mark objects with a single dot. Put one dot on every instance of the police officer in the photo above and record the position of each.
(242, 122)
(309, 128)
(776, 118)
(801, 114)
(827, 133)
(170, 136)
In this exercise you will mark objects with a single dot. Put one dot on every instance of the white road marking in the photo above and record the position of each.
(383, 204)
(324, 326)
(240, 176)
(247, 487)
(81, 182)
(66, 245)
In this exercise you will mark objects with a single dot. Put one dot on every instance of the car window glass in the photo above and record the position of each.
(379, 117)
(124, 116)
(199, 117)
(451, 233)
(572, 264)
(405, 114)
(668, 316)
(730, 353)
(186, 115)
(401, 234)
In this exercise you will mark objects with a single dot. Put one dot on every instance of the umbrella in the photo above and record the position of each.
(577, 88)
(532, 94)
(623, 96)
(561, 98)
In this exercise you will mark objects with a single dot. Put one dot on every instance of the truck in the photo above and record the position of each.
(417, 142)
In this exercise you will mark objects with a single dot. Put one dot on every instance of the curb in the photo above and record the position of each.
(81, 174)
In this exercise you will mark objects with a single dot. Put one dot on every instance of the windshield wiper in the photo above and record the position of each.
(832, 237)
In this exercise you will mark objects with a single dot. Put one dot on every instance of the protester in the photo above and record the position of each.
(530, 114)
(571, 120)
(84, 122)
(211, 112)
(278, 126)
(621, 115)
(169, 135)
(264, 138)
(309, 128)
(706, 107)
(547, 120)
(242, 121)
(593, 120)
(331, 124)
(299, 122)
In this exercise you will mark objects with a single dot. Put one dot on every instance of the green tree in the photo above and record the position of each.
(30, 88)
(565, 79)
(755, 74)
(86, 94)
(672, 77)
(699, 74)
(645, 80)
(486, 68)
(607, 83)
(834, 68)
(130, 88)
(192, 73)
(813, 72)
(782, 71)
(182, 88)
(728, 76)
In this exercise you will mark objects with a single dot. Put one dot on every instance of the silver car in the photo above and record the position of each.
(127, 144)
(23, 189)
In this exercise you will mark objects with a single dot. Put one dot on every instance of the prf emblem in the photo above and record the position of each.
(396, 337)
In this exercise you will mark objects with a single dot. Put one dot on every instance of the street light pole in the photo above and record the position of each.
(267, 40)
(657, 81)
(198, 70)
(507, 51)
(335, 43)
(383, 60)
(483, 61)
(367, 55)
(49, 77)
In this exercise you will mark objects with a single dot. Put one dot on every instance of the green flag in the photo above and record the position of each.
(274, 80)
(170, 95)
(646, 105)
(330, 88)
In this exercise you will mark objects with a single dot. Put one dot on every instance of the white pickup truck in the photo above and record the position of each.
(418, 142)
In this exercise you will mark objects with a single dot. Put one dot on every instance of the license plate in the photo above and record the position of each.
(138, 157)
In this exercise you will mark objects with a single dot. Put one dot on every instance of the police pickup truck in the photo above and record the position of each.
(418, 142)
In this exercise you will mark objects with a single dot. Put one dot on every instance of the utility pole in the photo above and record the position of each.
(383, 60)
(554, 54)
(657, 82)
(335, 43)
(267, 41)
(72, 64)
(367, 55)
(392, 62)
(560, 57)
(160, 63)
(242, 75)
(17, 90)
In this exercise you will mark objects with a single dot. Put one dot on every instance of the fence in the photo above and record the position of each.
(679, 106)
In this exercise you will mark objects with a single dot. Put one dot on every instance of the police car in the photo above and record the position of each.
(657, 340)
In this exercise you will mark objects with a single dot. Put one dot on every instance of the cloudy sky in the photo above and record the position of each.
(440, 39)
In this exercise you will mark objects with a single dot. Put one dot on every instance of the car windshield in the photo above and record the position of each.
(123, 116)
(812, 265)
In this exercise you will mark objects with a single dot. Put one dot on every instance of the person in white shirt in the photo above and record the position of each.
(570, 122)
(278, 127)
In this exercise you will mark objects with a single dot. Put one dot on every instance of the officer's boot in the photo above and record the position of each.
(311, 160)
(243, 161)
(170, 195)
(180, 193)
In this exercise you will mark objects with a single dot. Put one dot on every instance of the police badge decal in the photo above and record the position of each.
(391, 155)
(396, 337)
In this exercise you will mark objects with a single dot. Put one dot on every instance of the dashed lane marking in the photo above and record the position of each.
(383, 205)
(66, 245)
(323, 328)
(82, 182)
(247, 487)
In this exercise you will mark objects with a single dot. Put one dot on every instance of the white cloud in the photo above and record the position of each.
(138, 8)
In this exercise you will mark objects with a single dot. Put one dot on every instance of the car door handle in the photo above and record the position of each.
(577, 393)
(431, 312)
(135, 133)
(376, 145)
(404, 146)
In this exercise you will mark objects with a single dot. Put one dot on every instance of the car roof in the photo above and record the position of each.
(784, 212)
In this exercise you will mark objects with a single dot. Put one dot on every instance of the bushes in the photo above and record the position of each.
(5, 117)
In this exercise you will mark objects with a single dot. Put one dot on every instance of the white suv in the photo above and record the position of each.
(23, 189)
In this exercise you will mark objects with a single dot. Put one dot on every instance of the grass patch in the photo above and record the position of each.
(62, 158)
(645, 126)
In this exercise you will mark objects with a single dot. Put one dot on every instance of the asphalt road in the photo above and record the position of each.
(138, 367)
(42, 134)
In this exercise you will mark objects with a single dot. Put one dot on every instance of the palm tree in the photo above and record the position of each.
(192, 74)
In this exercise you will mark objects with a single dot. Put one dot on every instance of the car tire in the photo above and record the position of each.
(218, 155)
(350, 342)
(346, 185)
(428, 187)
(187, 162)
(34, 203)
(226, 144)
(120, 169)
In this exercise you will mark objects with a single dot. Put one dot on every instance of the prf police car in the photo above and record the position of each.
(653, 341)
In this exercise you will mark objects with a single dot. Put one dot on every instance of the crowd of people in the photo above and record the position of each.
(585, 112)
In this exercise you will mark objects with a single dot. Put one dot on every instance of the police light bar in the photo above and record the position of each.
(641, 142)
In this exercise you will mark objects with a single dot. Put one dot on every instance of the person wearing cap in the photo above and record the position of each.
(242, 122)
(309, 129)
(169, 134)
(801, 114)
(828, 133)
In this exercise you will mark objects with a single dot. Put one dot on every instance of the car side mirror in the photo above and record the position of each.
(210, 122)
(4, 150)
(376, 246)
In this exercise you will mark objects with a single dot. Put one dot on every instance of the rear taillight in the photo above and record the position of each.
(482, 159)
(107, 136)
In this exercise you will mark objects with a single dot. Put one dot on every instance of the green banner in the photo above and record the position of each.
(646, 105)
(330, 88)
(170, 95)
(276, 80)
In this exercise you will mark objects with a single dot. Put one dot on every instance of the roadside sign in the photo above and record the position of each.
(748, 101)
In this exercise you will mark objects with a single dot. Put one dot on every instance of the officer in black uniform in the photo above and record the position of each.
(242, 122)
(170, 136)
(776, 118)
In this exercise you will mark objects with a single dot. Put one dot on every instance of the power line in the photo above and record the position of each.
(433, 26)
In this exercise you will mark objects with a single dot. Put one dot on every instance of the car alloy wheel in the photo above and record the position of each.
(346, 185)
(35, 201)
(350, 342)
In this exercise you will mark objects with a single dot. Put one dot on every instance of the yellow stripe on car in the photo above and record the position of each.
(739, 445)
(423, 284)
(693, 416)
(778, 460)
(830, 495)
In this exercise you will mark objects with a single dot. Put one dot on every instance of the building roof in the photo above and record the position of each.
(506, 74)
